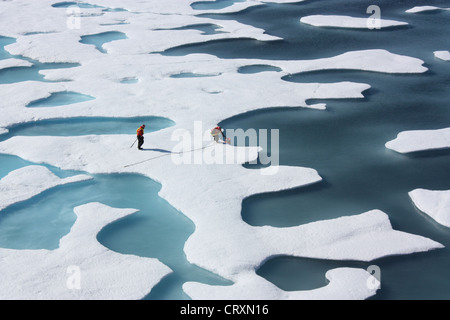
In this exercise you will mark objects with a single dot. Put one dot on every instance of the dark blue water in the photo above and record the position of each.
(301, 41)
(345, 143)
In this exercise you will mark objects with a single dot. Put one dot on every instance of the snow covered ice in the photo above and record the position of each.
(444, 55)
(130, 77)
(434, 203)
(347, 22)
(419, 140)
(419, 9)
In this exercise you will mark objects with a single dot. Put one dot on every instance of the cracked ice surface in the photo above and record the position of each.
(209, 194)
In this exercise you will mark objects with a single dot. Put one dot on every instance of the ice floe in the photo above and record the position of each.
(435, 203)
(443, 55)
(420, 140)
(344, 284)
(419, 9)
(11, 63)
(363, 237)
(348, 22)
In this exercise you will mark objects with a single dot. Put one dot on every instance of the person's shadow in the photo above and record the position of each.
(156, 150)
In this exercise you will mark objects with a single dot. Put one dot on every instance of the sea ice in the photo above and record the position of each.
(11, 63)
(26, 182)
(344, 284)
(420, 140)
(80, 268)
(206, 191)
(443, 55)
(365, 237)
(218, 221)
(100, 78)
(419, 9)
(435, 203)
(347, 22)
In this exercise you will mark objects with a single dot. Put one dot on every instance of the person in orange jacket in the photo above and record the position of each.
(140, 136)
